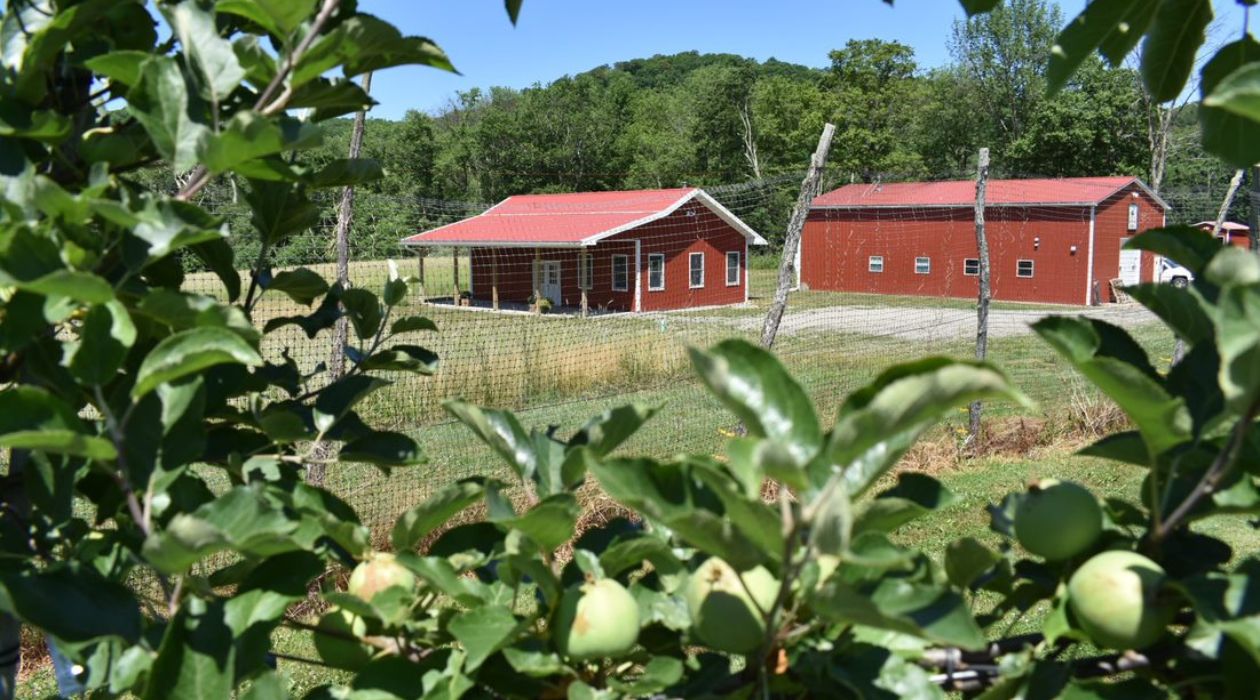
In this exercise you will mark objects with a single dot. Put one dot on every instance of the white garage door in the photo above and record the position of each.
(1130, 264)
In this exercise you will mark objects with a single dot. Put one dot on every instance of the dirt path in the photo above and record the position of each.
(921, 323)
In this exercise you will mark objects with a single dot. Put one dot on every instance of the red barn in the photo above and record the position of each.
(644, 250)
(1232, 233)
(1050, 241)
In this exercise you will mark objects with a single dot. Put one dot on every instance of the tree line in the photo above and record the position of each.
(713, 119)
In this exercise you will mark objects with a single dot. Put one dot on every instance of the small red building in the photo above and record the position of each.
(1050, 241)
(644, 250)
(1232, 233)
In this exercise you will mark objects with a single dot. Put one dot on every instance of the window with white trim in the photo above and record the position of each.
(732, 268)
(971, 267)
(656, 272)
(875, 263)
(1133, 217)
(584, 271)
(1023, 268)
(696, 270)
(621, 273)
(922, 266)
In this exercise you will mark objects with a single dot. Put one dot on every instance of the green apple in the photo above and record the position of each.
(1058, 520)
(596, 620)
(723, 613)
(1115, 597)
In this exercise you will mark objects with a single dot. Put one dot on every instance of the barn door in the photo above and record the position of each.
(1130, 265)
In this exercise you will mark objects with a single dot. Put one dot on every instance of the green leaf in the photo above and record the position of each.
(966, 560)
(513, 9)
(550, 522)
(1121, 42)
(1238, 92)
(60, 442)
(364, 310)
(761, 392)
(280, 209)
(1111, 360)
(160, 101)
(1226, 133)
(196, 658)
(279, 17)
(218, 255)
(483, 631)
(301, 285)
(330, 98)
(83, 287)
(439, 573)
(104, 339)
(168, 225)
(502, 432)
(1182, 310)
(607, 431)
(189, 352)
(1179, 29)
(212, 54)
(1083, 35)
(417, 522)
(671, 496)
(408, 324)
(383, 449)
(119, 66)
(1127, 448)
(347, 172)
(1186, 245)
(975, 7)
(914, 496)
(928, 611)
(44, 126)
(361, 44)
(403, 358)
(660, 673)
(1238, 341)
(878, 423)
(339, 398)
(248, 136)
(242, 519)
(34, 419)
(73, 604)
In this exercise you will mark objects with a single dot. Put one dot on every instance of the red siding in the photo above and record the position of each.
(693, 228)
(837, 245)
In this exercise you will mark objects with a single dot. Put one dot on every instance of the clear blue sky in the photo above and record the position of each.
(564, 37)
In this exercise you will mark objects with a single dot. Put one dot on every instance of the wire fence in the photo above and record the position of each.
(877, 286)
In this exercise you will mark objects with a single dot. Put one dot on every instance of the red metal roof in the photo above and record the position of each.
(573, 219)
(1225, 226)
(1078, 191)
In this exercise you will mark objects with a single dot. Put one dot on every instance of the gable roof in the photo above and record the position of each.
(571, 220)
(1072, 191)
(1231, 226)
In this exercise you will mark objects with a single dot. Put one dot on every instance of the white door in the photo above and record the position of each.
(1130, 264)
(550, 286)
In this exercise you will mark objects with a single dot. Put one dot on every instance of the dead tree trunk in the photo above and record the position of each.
(750, 139)
(792, 240)
(1226, 203)
(345, 219)
(982, 307)
(1253, 220)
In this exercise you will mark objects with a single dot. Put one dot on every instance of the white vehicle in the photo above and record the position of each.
(1174, 274)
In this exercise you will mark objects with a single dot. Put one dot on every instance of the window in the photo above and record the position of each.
(1133, 217)
(1023, 268)
(584, 270)
(620, 273)
(922, 266)
(732, 268)
(697, 270)
(971, 267)
(656, 272)
(875, 263)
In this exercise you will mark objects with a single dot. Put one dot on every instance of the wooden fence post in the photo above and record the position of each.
(792, 240)
(323, 452)
(982, 307)
(494, 278)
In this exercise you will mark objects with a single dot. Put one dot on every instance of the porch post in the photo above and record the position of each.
(420, 255)
(494, 278)
(455, 275)
(537, 281)
(585, 260)
(638, 276)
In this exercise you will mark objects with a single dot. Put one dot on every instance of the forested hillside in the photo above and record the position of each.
(722, 119)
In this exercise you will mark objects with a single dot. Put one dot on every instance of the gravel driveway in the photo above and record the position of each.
(922, 323)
